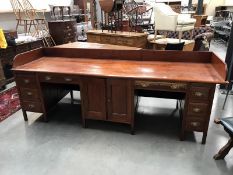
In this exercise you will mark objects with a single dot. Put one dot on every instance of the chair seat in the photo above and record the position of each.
(228, 123)
(186, 21)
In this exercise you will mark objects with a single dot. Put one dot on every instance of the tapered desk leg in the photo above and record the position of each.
(45, 117)
(132, 131)
(182, 135)
(72, 97)
(25, 115)
(204, 138)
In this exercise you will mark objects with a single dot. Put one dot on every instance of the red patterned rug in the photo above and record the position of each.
(9, 103)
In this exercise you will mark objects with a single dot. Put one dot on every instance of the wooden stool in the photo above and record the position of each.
(227, 123)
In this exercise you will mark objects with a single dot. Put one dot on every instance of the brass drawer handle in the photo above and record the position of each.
(69, 34)
(174, 86)
(196, 110)
(198, 94)
(68, 79)
(67, 27)
(48, 78)
(26, 81)
(195, 124)
(29, 93)
(31, 106)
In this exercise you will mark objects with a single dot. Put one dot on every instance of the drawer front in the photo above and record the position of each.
(198, 109)
(22, 48)
(193, 124)
(69, 25)
(160, 85)
(52, 78)
(26, 81)
(93, 38)
(199, 93)
(29, 94)
(32, 106)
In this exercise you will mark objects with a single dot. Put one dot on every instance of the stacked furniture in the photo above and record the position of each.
(63, 31)
(7, 55)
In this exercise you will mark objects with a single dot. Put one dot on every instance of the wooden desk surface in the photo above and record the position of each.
(88, 45)
(156, 70)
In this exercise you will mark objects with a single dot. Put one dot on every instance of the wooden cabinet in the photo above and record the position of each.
(107, 99)
(63, 31)
(7, 55)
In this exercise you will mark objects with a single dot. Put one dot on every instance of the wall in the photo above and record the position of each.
(7, 17)
(211, 4)
(228, 2)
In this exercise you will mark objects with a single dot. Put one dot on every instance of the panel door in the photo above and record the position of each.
(119, 100)
(94, 98)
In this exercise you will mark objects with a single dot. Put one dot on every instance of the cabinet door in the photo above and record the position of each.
(119, 100)
(94, 98)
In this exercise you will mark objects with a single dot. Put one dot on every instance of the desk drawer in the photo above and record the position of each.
(55, 78)
(32, 106)
(27, 81)
(198, 109)
(160, 85)
(29, 94)
(193, 124)
(200, 93)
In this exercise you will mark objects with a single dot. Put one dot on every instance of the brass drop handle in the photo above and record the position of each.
(69, 34)
(196, 109)
(195, 124)
(26, 81)
(68, 79)
(48, 78)
(68, 27)
(198, 94)
(174, 86)
(31, 106)
(29, 93)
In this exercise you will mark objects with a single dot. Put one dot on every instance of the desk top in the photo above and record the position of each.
(153, 70)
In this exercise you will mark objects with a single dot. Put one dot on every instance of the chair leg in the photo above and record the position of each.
(180, 36)
(224, 150)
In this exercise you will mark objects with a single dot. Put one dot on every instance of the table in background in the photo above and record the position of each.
(131, 39)
(160, 44)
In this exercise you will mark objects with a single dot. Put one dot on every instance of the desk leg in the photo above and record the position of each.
(204, 138)
(45, 117)
(72, 96)
(132, 131)
(25, 115)
(182, 135)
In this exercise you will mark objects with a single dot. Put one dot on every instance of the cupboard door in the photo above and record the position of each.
(119, 100)
(94, 98)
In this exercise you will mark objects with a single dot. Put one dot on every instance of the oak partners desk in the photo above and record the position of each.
(108, 80)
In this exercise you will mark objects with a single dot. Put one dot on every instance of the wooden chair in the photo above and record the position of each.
(22, 17)
(38, 17)
(227, 123)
